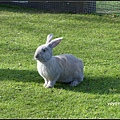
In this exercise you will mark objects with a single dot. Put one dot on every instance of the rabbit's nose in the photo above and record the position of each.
(36, 56)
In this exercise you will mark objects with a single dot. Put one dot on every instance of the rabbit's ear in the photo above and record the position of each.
(49, 38)
(55, 42)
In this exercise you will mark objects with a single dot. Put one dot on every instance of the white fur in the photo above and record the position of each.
(62, 68)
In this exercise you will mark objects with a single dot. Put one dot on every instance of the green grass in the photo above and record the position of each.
(93, 38)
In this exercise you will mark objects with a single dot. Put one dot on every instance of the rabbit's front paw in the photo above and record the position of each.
(46, 82)
(48, 86)
(45, 85)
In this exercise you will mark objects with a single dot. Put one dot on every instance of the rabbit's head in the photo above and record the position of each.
(44, 52)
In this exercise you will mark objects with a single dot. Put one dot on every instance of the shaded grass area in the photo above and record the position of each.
(93, 38)
(104, 84)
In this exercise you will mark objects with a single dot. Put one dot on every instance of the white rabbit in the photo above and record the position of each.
(62, 68)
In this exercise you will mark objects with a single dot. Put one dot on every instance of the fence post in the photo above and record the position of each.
(79, 7)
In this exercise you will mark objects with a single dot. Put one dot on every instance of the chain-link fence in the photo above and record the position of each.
(71, 7)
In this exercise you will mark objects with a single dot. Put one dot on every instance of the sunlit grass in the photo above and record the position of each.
(93, 38)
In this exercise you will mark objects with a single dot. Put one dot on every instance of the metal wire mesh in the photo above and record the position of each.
(72, 7)
(90, 7)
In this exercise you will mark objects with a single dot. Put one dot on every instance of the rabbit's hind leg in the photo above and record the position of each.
(77, 79)
(75, 82)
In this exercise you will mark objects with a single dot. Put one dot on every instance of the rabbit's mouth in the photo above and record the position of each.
(39, 58)
(36, 56)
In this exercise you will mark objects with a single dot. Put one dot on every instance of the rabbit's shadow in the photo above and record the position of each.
(95, 85)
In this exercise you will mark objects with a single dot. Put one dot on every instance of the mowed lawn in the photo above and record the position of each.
(93, 38)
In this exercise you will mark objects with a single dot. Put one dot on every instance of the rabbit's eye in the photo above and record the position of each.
(44, 50)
